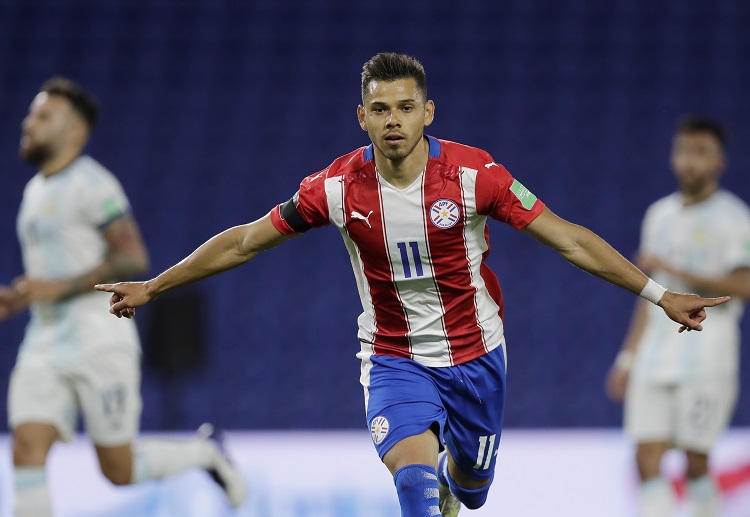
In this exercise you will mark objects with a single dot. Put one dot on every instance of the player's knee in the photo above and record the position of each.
(116, 475)
(697, 465)
(471, 499)
(648, 460)
(28, 452)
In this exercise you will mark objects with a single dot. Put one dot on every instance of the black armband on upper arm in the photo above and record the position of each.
(293, 218)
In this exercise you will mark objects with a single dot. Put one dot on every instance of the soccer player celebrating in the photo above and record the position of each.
(681, 392)
(75, 230)
(412, 210)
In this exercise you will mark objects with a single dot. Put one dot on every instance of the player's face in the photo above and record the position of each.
(697, 160)
(394, 114)
(46, 128)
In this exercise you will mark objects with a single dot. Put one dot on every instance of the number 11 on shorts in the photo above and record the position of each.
(485, 452)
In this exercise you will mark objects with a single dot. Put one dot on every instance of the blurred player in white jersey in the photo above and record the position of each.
(680, 391)
(76, 229)
(412, 210)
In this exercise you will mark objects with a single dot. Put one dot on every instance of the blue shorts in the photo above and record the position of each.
(463, 403)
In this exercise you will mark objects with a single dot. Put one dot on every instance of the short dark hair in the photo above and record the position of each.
(81, 100)
(697, 124)
(389, 66)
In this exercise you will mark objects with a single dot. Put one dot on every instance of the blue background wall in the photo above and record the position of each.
(214, 110)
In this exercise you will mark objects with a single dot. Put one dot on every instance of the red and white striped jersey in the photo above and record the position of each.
(418, 253)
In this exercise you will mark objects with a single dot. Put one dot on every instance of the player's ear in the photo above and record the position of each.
(361, 117)
(429, 112)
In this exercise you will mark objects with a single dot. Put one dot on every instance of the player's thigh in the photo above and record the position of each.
(39, 393)
(475, 402)
(705, 409)
(401, 401)
(650, 411)
(108, 388)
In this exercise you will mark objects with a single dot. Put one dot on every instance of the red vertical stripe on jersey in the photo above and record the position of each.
(452, 276)
(391, 335)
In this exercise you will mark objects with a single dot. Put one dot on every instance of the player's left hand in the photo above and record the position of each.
(617, 383)
(689, 310)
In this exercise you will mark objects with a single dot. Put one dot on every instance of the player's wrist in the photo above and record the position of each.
(653, 292)
(624, 360)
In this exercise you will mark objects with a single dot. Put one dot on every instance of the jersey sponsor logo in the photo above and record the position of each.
(491, 164)
(365, 218)
(379, 429)
(523, 194)
(444, 213)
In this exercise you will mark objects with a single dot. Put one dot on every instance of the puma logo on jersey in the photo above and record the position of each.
(366, 219)
(488, 165)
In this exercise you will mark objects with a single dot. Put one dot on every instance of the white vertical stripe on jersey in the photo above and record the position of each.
(474, 239)
(421, 300)
(337, 215)
(425, 215)
(390, 257)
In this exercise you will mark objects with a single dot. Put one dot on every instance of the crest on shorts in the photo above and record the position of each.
(444, 213)
(379, 429)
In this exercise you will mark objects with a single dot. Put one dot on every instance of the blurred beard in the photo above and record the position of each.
(36, 154)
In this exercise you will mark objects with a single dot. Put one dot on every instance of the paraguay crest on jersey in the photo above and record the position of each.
(444, 213)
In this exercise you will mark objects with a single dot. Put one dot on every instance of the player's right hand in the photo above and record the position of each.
(126, 296)
(689, 310)
(10, 302)
(6, 302)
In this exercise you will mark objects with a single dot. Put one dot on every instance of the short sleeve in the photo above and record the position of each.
(738, 243)
(502, 197)
(105, 199)
(649, 244)
(308, 208)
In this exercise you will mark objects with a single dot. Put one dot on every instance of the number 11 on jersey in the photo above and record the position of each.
(414, 245)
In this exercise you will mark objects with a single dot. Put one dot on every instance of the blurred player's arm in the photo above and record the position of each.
(222, 252)
(619, 373)
(126, 257)
(586, 250)
(736, 283)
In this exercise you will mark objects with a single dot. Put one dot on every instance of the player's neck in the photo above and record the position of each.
(402, 173)
(693, 198)
(59, 162)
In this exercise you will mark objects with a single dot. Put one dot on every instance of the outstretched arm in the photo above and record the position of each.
(222, 252)
(588, 251)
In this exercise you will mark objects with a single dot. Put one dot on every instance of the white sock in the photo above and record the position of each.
(657, 498)
(32, 495)
(155, 458)
(703, 496)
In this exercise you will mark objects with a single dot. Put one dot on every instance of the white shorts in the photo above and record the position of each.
(105, 386)
(689, 416)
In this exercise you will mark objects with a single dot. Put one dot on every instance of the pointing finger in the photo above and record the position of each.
(713, 302)
(105, 287)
